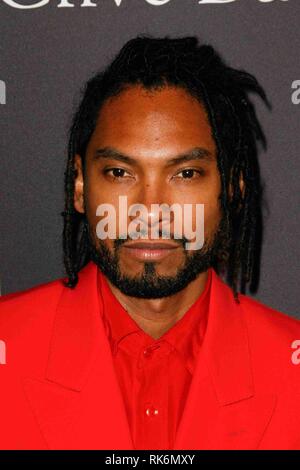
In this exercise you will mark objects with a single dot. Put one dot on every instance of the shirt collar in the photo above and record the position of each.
(185, 335)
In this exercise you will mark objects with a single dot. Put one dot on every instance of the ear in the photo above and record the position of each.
(79, 186)
(241, 183)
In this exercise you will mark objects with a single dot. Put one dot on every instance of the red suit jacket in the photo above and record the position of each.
(58, 388)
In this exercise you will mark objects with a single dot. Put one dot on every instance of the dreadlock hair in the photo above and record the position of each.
(198, 69)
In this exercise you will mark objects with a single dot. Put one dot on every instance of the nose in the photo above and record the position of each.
(152, 210)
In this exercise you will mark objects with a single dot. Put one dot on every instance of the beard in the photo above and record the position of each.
(149, 284)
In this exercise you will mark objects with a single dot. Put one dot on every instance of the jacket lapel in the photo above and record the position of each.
(78, 404)
(222, 410)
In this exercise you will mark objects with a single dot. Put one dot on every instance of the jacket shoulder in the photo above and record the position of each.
(29, 304)
(274, 341)
(269, 317)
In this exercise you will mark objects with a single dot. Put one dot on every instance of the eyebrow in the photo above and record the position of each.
(197, 153)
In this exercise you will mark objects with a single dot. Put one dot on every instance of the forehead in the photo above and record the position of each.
(139, 116)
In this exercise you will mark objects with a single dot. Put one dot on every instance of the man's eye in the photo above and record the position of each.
(189, 173)
(115, 172)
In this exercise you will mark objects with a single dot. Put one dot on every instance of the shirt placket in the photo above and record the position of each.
(152, 393)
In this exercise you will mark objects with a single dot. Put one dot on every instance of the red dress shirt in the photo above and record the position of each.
(154, 374)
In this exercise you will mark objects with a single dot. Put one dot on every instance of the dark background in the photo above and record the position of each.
(48, 53)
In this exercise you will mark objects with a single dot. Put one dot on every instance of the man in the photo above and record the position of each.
(147, 344)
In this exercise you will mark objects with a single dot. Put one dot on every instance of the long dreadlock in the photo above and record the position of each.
(199, 69)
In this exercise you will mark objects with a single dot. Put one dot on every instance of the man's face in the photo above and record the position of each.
(136, 151)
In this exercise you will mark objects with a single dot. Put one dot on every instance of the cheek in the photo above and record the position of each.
(91, 203)
(212, 209)
(212, 217)
(94, 197)
(95, 194)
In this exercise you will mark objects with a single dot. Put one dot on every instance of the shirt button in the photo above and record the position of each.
(149, 351)
(151, 411)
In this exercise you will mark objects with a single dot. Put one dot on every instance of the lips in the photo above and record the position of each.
(151, 245)
(150, 250)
